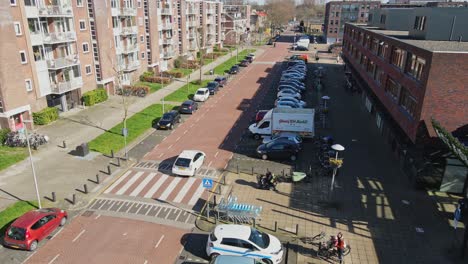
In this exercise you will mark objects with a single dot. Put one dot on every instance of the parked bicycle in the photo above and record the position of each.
(327, 250)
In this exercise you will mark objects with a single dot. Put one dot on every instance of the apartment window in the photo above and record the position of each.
(13, 2)
(79, 3)
(88, 69)
(23, 57)
(370, 18)
(18, 29)
(398, 57)
(416, 66)
(85, 47)
(392, 88)
(378, 75)
(383, 18)
(1, 105)
(375, 46)
(139, 3)
(28, 83)
(368, 41)
(142, 38)
(383, 49)
(140, 21)
(420, 22)
(370, 67)
(331, 22)
(142, 55)
(337, 14)
(82, 25)
(408, 102)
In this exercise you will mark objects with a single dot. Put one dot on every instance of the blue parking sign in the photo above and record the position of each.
(207, 183)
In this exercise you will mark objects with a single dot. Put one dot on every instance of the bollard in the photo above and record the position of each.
(53, 197)
(208, 210)
(108, 170)
(254, 224)
(237, 169)
(214, 200)
(276, 226)
(283, 173)
(218, 191)
(64, 144)
(297, 229)
(97, 179)
(85, 188)
(112, 153)
(252, 170)
(74, 198)
(118, 161)
(224, 179)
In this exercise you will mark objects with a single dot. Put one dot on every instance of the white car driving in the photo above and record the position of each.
(201, 95)
(289, 93)
(240, 240)
(188, 162)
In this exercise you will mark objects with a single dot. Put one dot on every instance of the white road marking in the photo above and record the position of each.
(216, 154)
(160, 155)
(232, 155)
(157, 244)
(177, 139)
(117, 182)
(196, 195)
(169, 189)
(225, 166)
(170, 147)
(209, 165)
(52, 261)
(124, 234)
(156, 186)
(163, 139)
(28, 257)
(78, 236)
(97, 216)
(129, 183)
(58, 232)
(185, 132)
(180, 196)
(142, 185)
(146, 262)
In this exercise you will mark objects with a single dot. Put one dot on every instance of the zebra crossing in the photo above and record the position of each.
(166, 167)
(159, 186)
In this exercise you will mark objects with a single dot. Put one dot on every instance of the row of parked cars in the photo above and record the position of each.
(289, 105)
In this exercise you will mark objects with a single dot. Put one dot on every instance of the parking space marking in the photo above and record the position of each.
(78, 236)
(185, 132)
(117, 182)
(170, 147)
(209, 165)
(58, 232)
(97, 217)
(216, 154)
(52, 261)
(177, 139)
(160, 155)
(30, 256)
(159, 242)
(129, 183)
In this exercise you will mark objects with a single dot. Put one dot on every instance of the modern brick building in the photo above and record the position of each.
(236, 22)
(54, 51)
(412, 67)
(337, 13)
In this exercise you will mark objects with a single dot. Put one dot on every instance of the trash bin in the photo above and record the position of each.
(82, 150)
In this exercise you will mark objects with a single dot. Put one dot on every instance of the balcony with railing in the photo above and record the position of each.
(55, 10)
(131, 65)
(65, 86)
(57, 37)
(167, 54)
(192, 11)
(211, 11)
(128, 11)
(126, 30)
(127, 49)
(192, 47)
(166, 12)
(192, 23)
(192, 35)
(167, 41)
(210, 21)
(166, 26)
(63, 62)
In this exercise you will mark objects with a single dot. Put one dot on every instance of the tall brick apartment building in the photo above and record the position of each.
(412, 65)
(54, 51)
(337, 13)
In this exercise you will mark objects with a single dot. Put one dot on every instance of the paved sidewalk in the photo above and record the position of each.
(60, 172)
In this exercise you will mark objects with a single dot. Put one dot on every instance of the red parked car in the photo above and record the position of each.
(30, 228)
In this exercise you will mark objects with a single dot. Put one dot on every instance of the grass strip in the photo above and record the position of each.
(14, 211)
(185, 92)
(225, 66)
(10, 156)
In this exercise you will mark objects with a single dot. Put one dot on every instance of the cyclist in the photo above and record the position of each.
(340, 246)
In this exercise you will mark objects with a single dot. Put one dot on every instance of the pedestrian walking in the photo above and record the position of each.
(338, 59)
(340, 246)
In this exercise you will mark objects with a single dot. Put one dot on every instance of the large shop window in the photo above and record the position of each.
(398, 57)
(408, 102)
(392, 88)
(416, 66)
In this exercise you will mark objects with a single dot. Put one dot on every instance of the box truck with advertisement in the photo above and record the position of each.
(297, 120)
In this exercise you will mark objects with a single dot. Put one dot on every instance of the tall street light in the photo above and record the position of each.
(32, 163)
(338, 164)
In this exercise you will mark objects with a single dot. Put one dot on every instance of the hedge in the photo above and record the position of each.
(45, 116)
(3, 135)
(174, 74)
(154, 79)
(94, 97)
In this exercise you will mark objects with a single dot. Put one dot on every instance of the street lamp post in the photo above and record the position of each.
(162, 88)
(32, 164)
(337, 148)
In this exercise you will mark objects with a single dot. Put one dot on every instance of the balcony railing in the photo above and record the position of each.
(192, 35)
(168, 54)
(126, 11)
(193, 23)
(131, 66)
(129, 30)
(56, 37)
(192, 47)
(55, 10)
(59, 63)
(167, 41)
(63, 87)
(167, 26)
(210, 21)
(166, 11)
(192, 11)
(210, 11)
(127, 49)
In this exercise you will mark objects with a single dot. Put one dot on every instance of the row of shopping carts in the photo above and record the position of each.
(229, 209)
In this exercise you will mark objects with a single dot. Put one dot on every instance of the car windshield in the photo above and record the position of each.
(212, 84)
(16, 233)
(201, 92)
(182, 162)
(166, 117)
(258, 238)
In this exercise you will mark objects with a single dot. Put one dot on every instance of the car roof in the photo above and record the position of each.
(203, 89)
(188, 102)
(232, 231)
(172, 112)
(220, 78)
(32, 216)
(227, 259)
(189, 154)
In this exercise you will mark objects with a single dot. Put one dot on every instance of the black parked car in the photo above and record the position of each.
(279, 149)
(168, 120)
(234, 69)
(188, 107)
(244, 63)
(301, 48)
(249, 58)
(221, 80)
(213, 87)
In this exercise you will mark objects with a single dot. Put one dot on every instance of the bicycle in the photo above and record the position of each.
(327, 250)
(313, 240)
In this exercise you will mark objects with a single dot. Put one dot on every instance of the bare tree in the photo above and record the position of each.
(280, 11)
